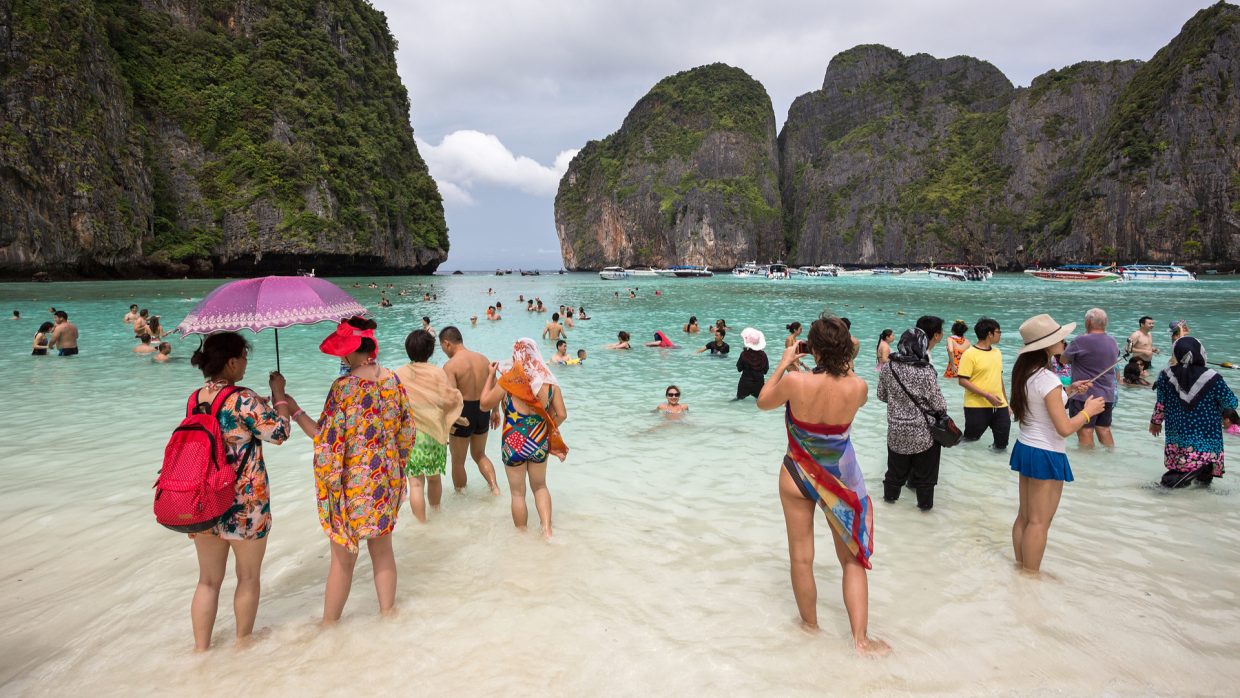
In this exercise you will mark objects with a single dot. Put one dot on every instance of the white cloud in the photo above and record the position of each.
(467, 158)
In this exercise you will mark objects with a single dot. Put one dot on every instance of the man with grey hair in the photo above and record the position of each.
(1094, 356)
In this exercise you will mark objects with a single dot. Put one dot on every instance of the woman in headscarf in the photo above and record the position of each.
(363, 442)
(909, 385)
(1190, 399)
(533, 408)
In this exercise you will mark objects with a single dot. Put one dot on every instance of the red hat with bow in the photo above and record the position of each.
(346, 340)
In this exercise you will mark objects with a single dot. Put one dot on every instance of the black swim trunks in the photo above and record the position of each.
(479, 420)
(69, 351)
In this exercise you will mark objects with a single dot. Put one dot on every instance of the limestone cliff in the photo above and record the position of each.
(208, 136)
(690, 178)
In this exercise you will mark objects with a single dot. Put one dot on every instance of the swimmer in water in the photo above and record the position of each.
(673, 406)
(165, 349)
(622, 341)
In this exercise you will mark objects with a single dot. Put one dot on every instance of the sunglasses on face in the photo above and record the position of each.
(670, 395)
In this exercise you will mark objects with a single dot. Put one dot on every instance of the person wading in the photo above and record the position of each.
(467, 372)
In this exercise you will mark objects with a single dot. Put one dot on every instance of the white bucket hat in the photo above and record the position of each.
(1041, 331)
(753, 339)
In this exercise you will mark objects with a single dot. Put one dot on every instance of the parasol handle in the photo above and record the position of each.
(277, 350)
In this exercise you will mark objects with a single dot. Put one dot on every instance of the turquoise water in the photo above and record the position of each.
(669, 571)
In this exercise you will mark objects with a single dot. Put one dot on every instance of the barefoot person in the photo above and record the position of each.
(1040, 454)
(246, 420)
(554, 331)
(820, 468)
(436, 406)
(909, 385)
(65, 335)
(364, 437)
(467, 372)
(533, 409)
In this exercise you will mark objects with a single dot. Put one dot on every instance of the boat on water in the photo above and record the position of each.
(534, 272)
(689, 272)
(961, 272)
(854, 272)
(613, 274)
(748, 270)
(642, 271)
(824, 271)
(1080, 273)
(777, 271)
(1155, 272)
(308, 274)
(889, 271)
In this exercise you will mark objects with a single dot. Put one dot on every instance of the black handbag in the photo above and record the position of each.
(941, 426)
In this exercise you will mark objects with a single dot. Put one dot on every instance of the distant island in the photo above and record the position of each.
(183, 137)
(911, 159)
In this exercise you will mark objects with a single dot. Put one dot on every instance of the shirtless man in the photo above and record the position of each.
(1141, 342)
(554, 330)
(467, 372)
(132, 315)
(65, 336)
(140, 324)
(145, 345)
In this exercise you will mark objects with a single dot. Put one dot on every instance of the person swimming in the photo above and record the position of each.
(622, 341)
(673, 405)
(661, 341)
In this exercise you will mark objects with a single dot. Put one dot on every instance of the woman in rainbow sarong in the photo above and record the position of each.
(820, 468)
(533, 410)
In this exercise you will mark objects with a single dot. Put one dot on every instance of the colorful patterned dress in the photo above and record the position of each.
(246, 420)
(365, 434)
(1194, 434)
(823, 464)
(956, 347)
(526, 437)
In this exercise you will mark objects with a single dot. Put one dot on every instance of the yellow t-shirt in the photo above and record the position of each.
(985, 369)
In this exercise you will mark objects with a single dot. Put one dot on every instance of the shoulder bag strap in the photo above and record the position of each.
(924, 412)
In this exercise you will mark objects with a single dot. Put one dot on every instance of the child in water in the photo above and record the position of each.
(1231, 423)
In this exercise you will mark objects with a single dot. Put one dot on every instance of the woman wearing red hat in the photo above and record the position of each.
(364, 437)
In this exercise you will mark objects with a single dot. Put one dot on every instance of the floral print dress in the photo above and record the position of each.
(1194, 434)
(246, 420)
(365, 434)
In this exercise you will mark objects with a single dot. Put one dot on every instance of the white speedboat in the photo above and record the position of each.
(961, 272)
(1155, 272)
(777, 272)
(1079, 273)
(827, 270)
(889, 271)
(642, 271)
(613, 274)
(855, 272)
(748, 270)
(690, 272)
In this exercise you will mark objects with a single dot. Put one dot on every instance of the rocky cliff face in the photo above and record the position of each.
(915, 159)
(690, 178)
(208, 136)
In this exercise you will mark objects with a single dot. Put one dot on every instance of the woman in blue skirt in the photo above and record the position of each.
(1040, 455)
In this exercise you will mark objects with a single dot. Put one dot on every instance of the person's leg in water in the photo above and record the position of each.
(478, 449)
(1043, 501)
(542, 495)
(856, 588)
(1022, 520)
(458, 448)
(516, 488)
(339, 583)
(1001, 427)
(899, 466)
(383, 564)
(434, 491)
(248, 559)
(417, 497)
(212, 565)
(799, 522)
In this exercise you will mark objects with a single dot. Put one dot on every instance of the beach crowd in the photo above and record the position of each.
(386, 436)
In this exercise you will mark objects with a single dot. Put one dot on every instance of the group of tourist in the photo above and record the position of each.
(380, 431)
(57, 333)
(149, 333)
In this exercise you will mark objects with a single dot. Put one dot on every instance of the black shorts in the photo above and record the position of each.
(479, 420)
(69, 351)
(1100, 420)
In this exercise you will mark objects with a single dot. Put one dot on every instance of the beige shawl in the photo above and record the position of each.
(436, 405)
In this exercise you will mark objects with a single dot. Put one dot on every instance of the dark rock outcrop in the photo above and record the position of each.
(181, 136)
(690, 178)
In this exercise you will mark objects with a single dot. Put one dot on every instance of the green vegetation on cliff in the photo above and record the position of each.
(300, 93)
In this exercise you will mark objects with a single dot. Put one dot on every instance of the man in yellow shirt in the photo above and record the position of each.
(981, 375)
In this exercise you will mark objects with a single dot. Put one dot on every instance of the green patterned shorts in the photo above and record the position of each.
(428, 457)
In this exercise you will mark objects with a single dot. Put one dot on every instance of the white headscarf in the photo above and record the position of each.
(525, 351)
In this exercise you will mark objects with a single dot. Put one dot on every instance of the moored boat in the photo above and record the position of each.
(613, 274)
(747, 270)
(888, 271)
(1080, 273)
(691, 272)
(777, 271)
(1155, 272)
(642, 271)
(961, 272)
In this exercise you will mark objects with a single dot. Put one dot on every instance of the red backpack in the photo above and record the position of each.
(197, 483)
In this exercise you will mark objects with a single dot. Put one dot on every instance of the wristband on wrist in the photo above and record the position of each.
(297, 414)
(281, 402)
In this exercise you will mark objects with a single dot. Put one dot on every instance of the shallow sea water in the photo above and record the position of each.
(668, 573)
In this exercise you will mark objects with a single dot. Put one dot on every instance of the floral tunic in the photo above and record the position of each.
(1194, 435)
(955, 349)
(908, 430)
(365, 434)
(246, 420)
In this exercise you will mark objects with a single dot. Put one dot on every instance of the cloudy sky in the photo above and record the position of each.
(504, 92)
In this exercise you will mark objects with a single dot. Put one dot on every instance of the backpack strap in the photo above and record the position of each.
(218, 403)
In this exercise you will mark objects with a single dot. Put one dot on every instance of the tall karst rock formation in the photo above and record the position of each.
(208, 136)
(916, 159)
(690, 178)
